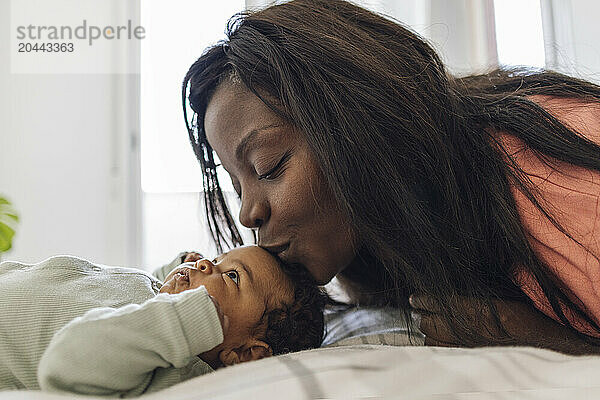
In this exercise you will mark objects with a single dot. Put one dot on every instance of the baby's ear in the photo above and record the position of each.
(254, 349)
(258, 350)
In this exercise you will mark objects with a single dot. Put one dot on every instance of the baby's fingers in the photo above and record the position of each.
(192, 257)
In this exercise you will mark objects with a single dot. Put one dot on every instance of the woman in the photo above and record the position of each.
(355, 154)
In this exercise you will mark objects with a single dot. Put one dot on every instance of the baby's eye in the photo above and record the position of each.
(235, 277)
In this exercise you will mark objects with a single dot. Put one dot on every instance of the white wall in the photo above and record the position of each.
(65, 161)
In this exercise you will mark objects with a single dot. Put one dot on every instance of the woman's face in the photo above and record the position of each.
(282, 189)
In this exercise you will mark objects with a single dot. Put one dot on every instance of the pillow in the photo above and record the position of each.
(368, 325)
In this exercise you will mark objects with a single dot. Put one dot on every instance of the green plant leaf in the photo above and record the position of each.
(9, 214)
(6, 235)
(8, 223)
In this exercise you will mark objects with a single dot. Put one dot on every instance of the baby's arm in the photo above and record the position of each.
(114, 351)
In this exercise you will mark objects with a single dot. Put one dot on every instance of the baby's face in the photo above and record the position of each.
(246, 281)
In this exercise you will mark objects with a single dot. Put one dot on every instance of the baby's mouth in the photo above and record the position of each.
(183, 275)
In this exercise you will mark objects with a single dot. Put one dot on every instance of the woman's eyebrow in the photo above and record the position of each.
(249, 141)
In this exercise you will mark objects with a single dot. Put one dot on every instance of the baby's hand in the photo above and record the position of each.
(191, 257)
(222, 317)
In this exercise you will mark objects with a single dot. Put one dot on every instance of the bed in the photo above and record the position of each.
(383, 371)
(368, 354)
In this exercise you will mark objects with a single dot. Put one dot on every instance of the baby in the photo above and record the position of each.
(70, 325)
(260, 308)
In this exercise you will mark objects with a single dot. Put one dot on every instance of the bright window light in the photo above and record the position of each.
(519, 34)
(177, 32)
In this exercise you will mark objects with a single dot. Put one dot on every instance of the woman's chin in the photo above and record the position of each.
(322, 276)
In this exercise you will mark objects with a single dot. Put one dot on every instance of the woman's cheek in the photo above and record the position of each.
(288, 200)
(309, 189)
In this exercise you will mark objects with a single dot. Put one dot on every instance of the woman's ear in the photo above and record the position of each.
(253, 349)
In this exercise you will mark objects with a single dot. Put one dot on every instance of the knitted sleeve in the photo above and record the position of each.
(115, 351)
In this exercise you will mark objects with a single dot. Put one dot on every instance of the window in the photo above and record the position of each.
(177, 34)
(519, 34)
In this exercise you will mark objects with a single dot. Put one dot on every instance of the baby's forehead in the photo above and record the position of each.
(257, 259)
(267, 271)
(250, 251)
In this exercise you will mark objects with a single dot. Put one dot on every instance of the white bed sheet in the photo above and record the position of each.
(377, 371)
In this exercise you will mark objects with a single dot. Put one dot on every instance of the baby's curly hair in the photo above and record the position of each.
(301, 324)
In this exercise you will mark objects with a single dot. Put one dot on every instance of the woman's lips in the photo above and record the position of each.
(284, 253)
(277, 249)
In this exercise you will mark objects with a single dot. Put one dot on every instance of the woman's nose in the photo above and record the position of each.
(204, 266)
(253, 212)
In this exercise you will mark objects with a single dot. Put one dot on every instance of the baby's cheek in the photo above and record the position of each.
(167, 287)
(164, 288)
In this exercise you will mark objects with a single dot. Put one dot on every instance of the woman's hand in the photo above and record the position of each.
(523, 326)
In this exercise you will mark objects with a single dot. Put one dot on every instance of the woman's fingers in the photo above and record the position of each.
(475, 312)
(422, 302)
(436, 329)
(500, 322)
(426, 317)
(433, 342)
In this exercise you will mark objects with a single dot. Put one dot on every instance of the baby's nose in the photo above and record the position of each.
(204, 266)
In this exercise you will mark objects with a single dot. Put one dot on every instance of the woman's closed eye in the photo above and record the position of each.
(277, 169)
(234, 276)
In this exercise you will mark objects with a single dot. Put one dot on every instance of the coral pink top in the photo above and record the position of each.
(572, 195)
